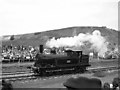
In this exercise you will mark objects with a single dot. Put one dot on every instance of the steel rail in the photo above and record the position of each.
(31, 75)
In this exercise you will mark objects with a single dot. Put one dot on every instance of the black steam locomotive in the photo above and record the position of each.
(73, 61)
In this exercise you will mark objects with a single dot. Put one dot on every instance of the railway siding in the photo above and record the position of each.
(31, 74)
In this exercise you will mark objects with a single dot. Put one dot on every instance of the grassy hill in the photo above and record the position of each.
(37, 38)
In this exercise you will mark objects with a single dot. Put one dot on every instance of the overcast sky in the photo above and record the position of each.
(27, 16)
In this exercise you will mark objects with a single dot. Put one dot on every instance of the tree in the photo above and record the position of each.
(12, 37)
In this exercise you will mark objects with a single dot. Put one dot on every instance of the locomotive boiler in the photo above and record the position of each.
(74, 61)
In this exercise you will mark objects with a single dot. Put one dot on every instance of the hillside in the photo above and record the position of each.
(37, 38)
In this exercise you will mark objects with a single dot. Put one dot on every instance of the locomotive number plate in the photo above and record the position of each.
(68, 61)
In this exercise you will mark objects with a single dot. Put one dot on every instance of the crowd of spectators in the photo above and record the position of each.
(22, 53)
(18, 53)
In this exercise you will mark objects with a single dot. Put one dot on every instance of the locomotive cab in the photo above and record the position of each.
(74, 53)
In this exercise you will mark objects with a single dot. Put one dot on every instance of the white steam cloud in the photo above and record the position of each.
(97, 41)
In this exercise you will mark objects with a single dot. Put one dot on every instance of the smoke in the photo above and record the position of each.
(97, 42)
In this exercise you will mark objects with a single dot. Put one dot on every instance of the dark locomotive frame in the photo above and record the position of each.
(73, 61)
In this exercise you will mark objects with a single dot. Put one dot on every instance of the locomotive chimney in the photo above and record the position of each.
(41, 48)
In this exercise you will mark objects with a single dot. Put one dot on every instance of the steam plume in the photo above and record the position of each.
(97, 41)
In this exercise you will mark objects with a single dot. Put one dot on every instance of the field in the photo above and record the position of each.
(16, 67)
(57, 81)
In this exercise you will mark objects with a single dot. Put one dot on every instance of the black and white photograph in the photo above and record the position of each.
(59, 44)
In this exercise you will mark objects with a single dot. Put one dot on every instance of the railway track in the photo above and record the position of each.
(31, 75)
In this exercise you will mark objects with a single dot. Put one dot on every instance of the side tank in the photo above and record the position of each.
(72, 60)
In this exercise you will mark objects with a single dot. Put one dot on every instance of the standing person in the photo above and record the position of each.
(116, 83)
(6, 85)
(106, 86)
